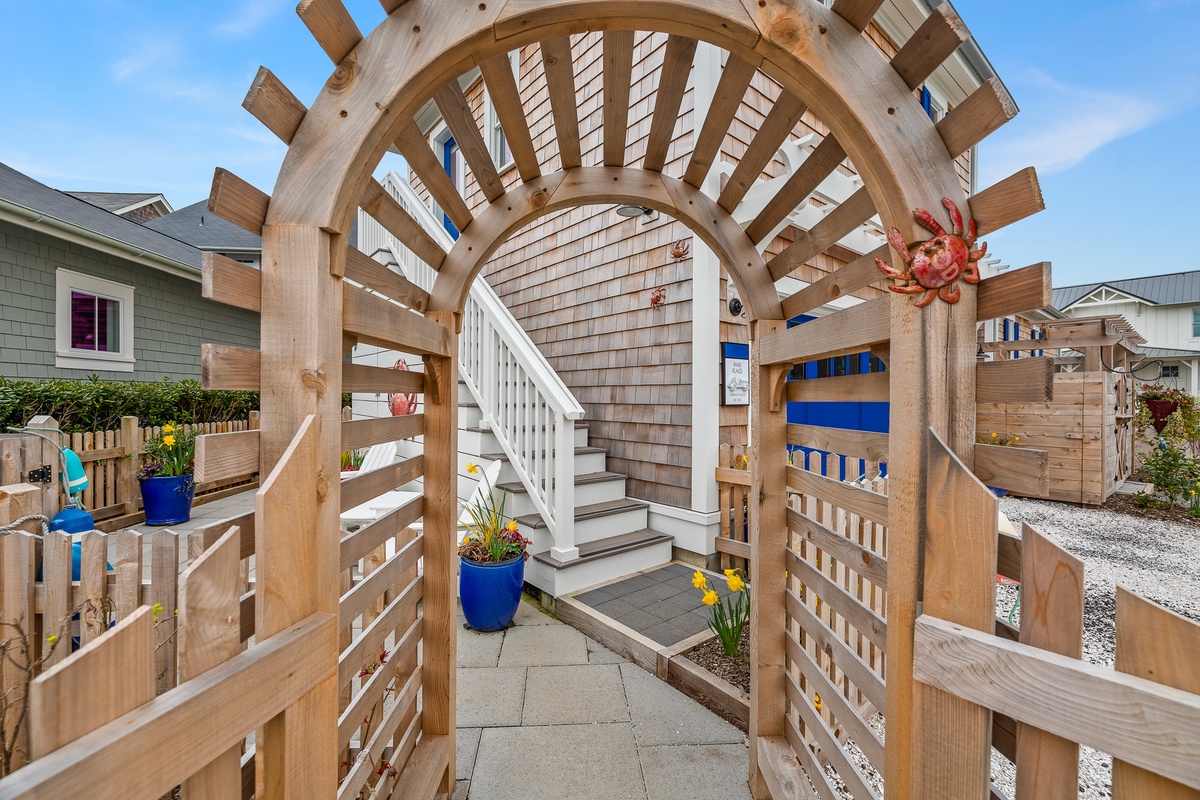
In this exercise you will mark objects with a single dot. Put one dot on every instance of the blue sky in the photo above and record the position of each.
(125, 95)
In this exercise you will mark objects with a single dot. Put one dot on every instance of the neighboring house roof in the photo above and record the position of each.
(1157, 290)
(199, 227)
(31, 204)
(124, 202)
(1167, 352)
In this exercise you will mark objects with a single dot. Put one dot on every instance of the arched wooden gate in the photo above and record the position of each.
(824, 65)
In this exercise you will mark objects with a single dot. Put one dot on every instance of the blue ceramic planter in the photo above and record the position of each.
(167, 500)
(490, 593)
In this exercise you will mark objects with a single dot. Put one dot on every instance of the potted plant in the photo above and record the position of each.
(166, 479)
(492, 558)
(1160, 402)
(997, 440)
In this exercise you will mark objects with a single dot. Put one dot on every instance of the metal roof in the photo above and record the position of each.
(1158, 290)
(116, 202)
(201, 228)
(31, 203)
(1167, 352)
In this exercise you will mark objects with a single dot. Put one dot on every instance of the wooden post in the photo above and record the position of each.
(441, 536)
(128, 464)
(768, 547)
(52, 498)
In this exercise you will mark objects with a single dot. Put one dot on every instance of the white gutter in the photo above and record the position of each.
(35, 220)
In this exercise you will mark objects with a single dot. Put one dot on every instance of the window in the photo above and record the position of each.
(455, 166)
(496, 141)
(1170, 371)
(93, 323)
(1195, 322)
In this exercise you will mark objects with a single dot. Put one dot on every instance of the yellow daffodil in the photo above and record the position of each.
(817, 702)
(472, 468)
(512, 525)
(1016, 438)
(729, 573)
(994, 434)
(698, 579)
(736, 584)
(52, 640)
(169, 441)
(710, 598)
(168, 428)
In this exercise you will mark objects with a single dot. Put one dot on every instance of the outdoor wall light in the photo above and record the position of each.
(630, 210)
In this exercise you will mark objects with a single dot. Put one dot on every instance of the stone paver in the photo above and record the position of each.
(574, 694)
(697, 772)
(465, 747)
(490, 696)
(477, 649)
(543, 645)
(554, 762)
(599, 654)
(662, 715)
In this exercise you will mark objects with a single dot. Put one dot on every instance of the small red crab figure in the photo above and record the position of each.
(934, 266)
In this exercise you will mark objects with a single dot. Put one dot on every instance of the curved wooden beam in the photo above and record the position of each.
(599, 186)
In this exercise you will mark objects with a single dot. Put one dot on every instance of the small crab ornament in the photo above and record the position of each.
(935, 265)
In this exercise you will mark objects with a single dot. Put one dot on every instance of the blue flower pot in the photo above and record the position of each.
(996, 490)
(491, 593)
(167, 499)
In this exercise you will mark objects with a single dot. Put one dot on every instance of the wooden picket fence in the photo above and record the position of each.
(111, 460)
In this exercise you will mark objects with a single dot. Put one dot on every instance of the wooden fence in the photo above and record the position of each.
(110, 462)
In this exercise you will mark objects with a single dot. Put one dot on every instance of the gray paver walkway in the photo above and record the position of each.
(545, 713)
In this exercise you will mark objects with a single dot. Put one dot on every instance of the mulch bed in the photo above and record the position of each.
(1123, 504)
(711, 657)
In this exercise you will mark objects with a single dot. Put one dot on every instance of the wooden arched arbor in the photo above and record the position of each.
(826, 67)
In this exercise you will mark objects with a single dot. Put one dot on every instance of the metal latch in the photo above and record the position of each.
(43, 475)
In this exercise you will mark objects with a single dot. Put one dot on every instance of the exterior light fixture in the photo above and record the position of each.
(630, 210)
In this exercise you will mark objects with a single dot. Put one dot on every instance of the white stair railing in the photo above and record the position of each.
(529, 409)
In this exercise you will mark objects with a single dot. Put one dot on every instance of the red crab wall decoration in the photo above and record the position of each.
(934, 266)
(658, 297)
(681, 249)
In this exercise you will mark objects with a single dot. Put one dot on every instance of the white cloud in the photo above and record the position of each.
(1063, 126)
(249, 16)
(146, 54)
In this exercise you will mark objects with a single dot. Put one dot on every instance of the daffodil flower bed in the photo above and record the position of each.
(728, 615)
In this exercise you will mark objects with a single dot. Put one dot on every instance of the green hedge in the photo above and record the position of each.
(95, 405)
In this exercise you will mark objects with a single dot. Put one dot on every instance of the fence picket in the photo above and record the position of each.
(56, 593)
(16, 611)
(164, 577)
(128, 566)
(94, 611)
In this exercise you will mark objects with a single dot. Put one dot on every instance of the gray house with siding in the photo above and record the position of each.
(88, 292)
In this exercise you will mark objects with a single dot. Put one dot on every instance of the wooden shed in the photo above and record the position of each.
(1086, 427)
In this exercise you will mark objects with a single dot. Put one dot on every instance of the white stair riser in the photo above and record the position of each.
(601, 570)
(584, 464)
(519, 503)
(476, 442)
(469, 416)
(589, 530)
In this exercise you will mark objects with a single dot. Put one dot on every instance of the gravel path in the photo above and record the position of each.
(1153, 558)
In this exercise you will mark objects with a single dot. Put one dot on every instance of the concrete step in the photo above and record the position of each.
(596, 521)
(591, 488)
(599, 561)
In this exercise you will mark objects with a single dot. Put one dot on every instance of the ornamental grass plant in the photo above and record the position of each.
(727, 616)
(491, 536)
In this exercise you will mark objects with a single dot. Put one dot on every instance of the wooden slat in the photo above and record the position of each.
(781, 769)
(17, 571)
(1138, 721)
(210, 633)
(727, 97)
(672, 83)
(843, 656)
(456, 113)
(226, 281)
(856, 500)
(841, 221)
(560, 81)
(274, 105)
(1021, 470)
(858, 13)
(851, 330)
(866, 445)
(368, 643)
(367, 485)
(358, 545)
(862, 560)
(618, 69)
(93, 586)
(1020, 380)
(376, 321)
(361, 378)
(366, 432)
(858, 274)
(422, 160)
(234, 200)
(870, 387)
(122, 661)
(865, 621)
(1052, 620)
(143, 753)
(57, 608)
(350, 720)
(1011, 200)
(233, 368)
(774, 130)
(164, 582)
(370, 588)
(808, 176)
(1159, 645)
(506, 100)
(983, 112)
(365, 270)
(733, 547)
(829, 747)
(939, 36)
(226, 455)
(331, 25)
(1008, 555)
(390, 214)
(1025, 289)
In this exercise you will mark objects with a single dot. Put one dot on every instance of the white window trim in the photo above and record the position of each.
(65, 357)
(492, 119)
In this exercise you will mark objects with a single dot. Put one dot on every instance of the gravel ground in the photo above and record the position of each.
(1153, 558)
